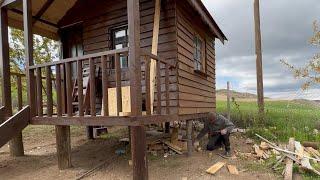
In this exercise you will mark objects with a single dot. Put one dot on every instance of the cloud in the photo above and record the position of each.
(286, 28)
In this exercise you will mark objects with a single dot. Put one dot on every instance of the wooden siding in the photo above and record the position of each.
(98, 21)
(196, 92)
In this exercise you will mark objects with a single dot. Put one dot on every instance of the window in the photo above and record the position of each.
(198, 55)
(119, 41)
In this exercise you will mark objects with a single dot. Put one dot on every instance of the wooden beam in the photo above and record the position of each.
(9, 2)
(28, 43)
(63, 147)
(14, 125)
(259, 56)
(154, 50)
(16, 144)
(88, 120)
(43, 9)
(138, 136)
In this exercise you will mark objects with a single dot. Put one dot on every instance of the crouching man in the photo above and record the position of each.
(218, 128)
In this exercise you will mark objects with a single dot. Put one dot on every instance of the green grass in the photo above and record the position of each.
(283, 119)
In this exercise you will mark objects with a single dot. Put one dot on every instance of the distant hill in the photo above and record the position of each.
(235, 94)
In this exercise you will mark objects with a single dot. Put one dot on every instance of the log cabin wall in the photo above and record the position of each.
(98, 18)
(196, 90)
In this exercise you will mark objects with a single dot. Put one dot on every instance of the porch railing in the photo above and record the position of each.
(61, 71)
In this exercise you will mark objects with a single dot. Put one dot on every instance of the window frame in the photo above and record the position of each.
(199, 62)
(113, 32)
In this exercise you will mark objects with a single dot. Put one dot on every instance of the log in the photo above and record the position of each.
(314, 145)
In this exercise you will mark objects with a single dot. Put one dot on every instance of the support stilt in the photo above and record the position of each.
(189, 137)
(138, 151)
(63, 147)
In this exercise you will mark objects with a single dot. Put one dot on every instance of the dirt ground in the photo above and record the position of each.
(40, 161)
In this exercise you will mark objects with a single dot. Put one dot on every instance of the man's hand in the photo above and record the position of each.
(223, 131)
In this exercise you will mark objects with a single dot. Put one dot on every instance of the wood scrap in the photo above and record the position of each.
(258, 151)
(173, 147)
(233, 170)
(313, 152)
(299, 149)
(264, 146)
(289, 162)
(215, 168)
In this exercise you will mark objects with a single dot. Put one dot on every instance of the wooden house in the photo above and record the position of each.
(128, 63)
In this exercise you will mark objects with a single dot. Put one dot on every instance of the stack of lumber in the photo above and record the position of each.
(293, 153)
(166, 143)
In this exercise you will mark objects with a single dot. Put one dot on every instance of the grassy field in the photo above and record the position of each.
(283, 119)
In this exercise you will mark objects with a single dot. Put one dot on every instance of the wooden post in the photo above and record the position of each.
(62, 132)
(16, 144)
(39, 92)
(105, 100)
(189, 137)
(289, 163)
(19, 89)
(228, 100)
(49, 92)
(259, 57)
(80, 88)
(138, 135)
(118, 83)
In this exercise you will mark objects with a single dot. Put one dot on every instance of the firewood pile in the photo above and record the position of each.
(293, 153)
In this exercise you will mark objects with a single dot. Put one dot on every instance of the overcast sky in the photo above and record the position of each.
(286, 28)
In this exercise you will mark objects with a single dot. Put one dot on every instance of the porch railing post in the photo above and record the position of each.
(138, 136)
(16, 144)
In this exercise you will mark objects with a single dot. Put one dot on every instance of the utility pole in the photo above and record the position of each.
(228, 100)
(259, 56)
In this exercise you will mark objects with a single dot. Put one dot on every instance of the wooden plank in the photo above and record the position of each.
(49, 91)
(80, 87)
(69, 88)
(215, 168)
(233, 170)
(289, 162)
(167, 88)
(118, 83)
(39, 93)
(158, 88)
(105, 98)
(149, 89)
(59, 90)
(43, 9)
(14, 125)
(154, 50)
(92, 82)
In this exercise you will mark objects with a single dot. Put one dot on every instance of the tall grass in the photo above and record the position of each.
(282, 119)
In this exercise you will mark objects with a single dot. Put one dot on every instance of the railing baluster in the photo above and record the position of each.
(69, 89)
(118, 83)
(167, 89)
(105, 110)
(92, 87)
(147, 86)
(80, 87)
(63, 88)
(19, 88)
(39, 93)
(59, 91)
(49, 91)
(158, 88)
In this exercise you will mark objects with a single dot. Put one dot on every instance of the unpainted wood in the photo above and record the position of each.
(49, 91)
(289, 162)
